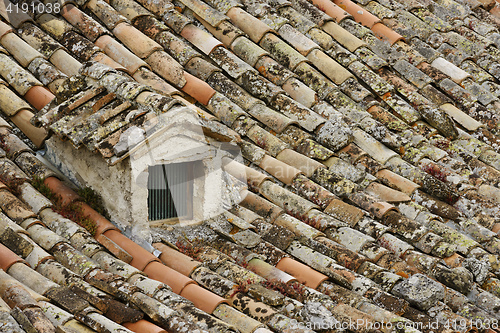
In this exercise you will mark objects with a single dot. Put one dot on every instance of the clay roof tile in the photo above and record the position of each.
(39, 96)
(8, 258)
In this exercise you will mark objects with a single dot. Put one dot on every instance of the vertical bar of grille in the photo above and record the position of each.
(168, 191)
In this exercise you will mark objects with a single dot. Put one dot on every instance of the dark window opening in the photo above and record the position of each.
(170, 191)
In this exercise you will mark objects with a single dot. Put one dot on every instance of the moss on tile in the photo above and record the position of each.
(72, 211)
(93, 199)
(38, 183)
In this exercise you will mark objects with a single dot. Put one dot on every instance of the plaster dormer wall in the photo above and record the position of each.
(123, 185)
(125, 201)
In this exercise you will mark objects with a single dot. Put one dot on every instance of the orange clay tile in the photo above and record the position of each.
(20, 50)
(8, 258)
(102, 223)
(331, 9)
(197, 89)
(112, 247)
(104, 100)
(201, 39)
(15, 145)
(202, 298)
(496, 227)
(135, 40)
(167, 67)
(235, 168)
(5, 28)
(344, 211)
(105, 60)
(141, 257)
(279, 169)
(36, 134)
(379, 209)
(254, 27)
(386, 193)
(246, 174)
(254, 177)
(359, 14)
(176, 260)
(11, 103)
(158, 271)
(90, 28)
(336, 72)
(57, 187)
(144, 326)
(396, 181)
(120, 53)
(299, 161)
(385, 33)
(65, 62)
(147, 77)
(261, 206)
(39, 96)
(225, 31)
(15, 295)
(303, 273)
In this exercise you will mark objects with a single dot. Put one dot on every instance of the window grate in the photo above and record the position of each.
(169, 191)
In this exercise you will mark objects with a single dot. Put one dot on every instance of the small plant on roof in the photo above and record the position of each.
(293, 289)
(93, 199)
(72, 211)
(38, 183)
(88, 224)
(435, 171)
(188, 249)
(242, 287)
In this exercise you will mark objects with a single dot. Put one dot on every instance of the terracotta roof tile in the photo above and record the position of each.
(65, 62)
(144, 326)
(5, 28)
(141, 45)
(38, 97)
(198, 89)
(9, 258)
(105, 13)
(407, 127)
(167, 68)
(11, 103)
(362, 16)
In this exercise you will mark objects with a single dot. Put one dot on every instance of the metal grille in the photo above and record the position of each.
(169, 188)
